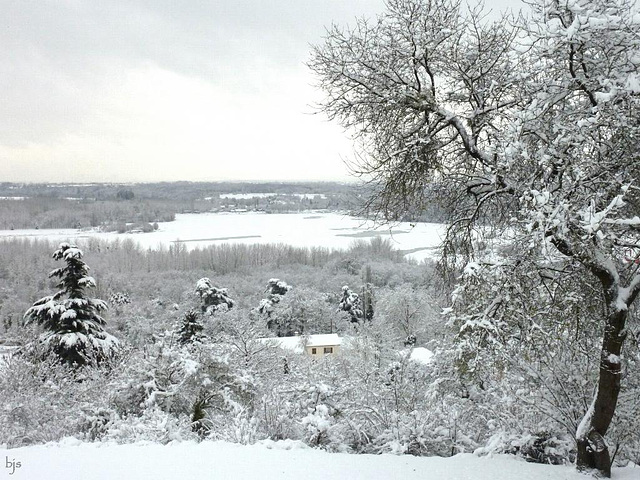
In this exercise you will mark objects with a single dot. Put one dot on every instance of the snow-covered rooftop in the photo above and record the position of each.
(324, 339)
(421, 355)
(297, 343)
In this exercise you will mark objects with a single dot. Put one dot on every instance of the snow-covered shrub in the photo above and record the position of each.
(154, 425)
(276, 413)
(321, 415)
(119, 298)
(414, 413)
(96, 424)
(137, 330)
(194, 381)
(545, 447)
(43, 400)
(235, 423)
(351, 403)
(143, 374)
(318, 425)
(351, 303)
(540, 447)
(275, 286)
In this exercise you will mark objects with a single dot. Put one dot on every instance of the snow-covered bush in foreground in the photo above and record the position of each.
(154, 425)
(541, 447)
(194, 381)
(43, 400)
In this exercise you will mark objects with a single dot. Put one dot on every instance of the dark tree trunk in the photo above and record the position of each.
(593, 452)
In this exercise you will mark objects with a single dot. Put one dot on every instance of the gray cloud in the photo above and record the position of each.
(73, 73)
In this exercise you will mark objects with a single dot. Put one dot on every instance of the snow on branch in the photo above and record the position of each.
(592, 220)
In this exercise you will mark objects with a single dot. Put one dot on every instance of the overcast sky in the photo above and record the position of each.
(163, 90)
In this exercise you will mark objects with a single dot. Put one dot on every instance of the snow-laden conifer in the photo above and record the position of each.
(281, 326)
(73, 327)
(190, 328)
(351, 303)
(214, 299)
(275, 290)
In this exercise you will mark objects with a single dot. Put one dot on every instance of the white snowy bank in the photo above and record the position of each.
(71, 460)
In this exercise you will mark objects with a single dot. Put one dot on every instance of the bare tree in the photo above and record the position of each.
(525, 124)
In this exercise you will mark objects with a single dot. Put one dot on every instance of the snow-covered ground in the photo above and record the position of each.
(72, 460)
(331, 230)
(248, 196)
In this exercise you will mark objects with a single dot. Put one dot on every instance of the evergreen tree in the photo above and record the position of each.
(213, 299)
(277, 287)
(275, 290)
(281, 325)
(191, 328)
(367, 301)
(72, 321)
(367, 294)
(351, 304)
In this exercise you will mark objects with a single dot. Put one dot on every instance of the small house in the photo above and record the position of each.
(319, 345)
(312, 345)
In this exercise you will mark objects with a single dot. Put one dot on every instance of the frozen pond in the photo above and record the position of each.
(331, 230)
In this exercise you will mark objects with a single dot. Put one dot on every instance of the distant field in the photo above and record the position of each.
(248, 196)
(331, 230)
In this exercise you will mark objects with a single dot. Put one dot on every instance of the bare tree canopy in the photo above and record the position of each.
(529, 124)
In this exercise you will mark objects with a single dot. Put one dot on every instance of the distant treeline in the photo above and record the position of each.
(186, 191)
(122, 207)
(111, 215)
(127, 256)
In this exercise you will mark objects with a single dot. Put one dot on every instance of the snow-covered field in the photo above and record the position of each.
(332, 230)
(248, 196)
(283, 461)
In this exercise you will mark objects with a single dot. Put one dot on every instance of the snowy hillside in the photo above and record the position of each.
(72, 460)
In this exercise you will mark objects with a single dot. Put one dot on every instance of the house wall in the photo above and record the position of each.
(320, 350)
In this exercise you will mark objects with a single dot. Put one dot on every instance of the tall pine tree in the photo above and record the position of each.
(71, 320)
